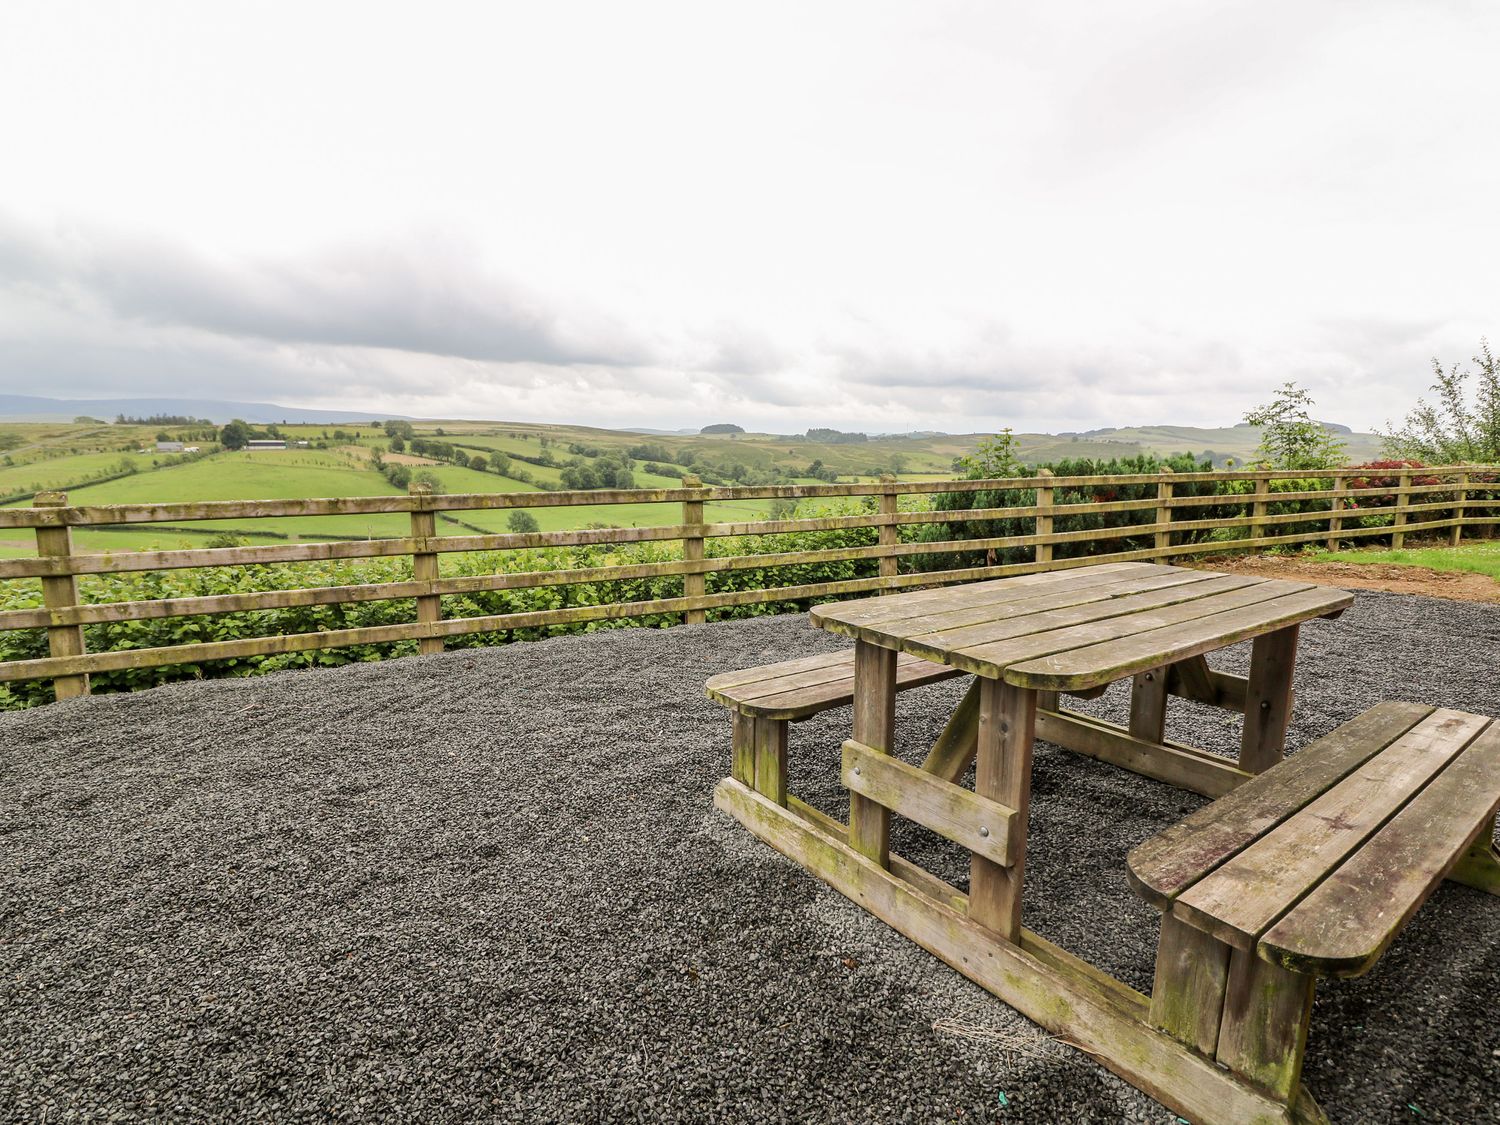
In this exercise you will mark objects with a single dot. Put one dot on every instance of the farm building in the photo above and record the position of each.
(265, 443)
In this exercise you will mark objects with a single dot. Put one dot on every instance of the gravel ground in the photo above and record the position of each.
(490, 886)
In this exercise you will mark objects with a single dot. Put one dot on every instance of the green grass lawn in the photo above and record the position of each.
(1477, 558)
(60, 472)
(305, 474)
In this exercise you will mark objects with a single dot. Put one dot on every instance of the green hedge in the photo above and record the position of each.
(26, 644)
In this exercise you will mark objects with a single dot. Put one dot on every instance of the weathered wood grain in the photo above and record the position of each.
(770, 760)
(1349, 919)
(930, 606)
(424, 567)
(1268, 699)
(1043, 527)
(1479, 867)
(875, 727)
(1241, 898)
(1263, 1035)
(743, 744)
(1177, 639)
(1171, 861)
(1070, 649)
(982, 826)
(1148, 705)
(1073, 1000)
(1112, 605)
(1002, 773)
(1403, 505)
(63, 641)
(1182, 766)
(692, 552)
(1192, 975)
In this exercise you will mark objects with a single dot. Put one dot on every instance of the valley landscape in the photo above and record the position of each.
(97, 462)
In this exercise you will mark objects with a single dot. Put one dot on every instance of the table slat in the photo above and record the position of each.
(1076, 593)
(998, 657)
(937, 645)
(1152, 645)
(890, 608)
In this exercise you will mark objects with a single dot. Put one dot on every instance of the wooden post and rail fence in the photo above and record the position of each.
(1454, 498)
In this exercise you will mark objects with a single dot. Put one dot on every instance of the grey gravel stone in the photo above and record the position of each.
(489, 886)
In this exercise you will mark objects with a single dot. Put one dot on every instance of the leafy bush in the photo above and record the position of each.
(1455, 431)
(997, 454)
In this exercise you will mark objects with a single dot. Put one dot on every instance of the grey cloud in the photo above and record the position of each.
(426, 295)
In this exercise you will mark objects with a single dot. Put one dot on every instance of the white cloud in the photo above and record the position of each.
(890, 216)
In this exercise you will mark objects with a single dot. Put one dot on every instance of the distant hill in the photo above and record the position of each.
(30, 408)
(1238, 442)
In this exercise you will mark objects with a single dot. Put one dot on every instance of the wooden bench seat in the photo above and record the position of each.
(798, 689)
(765, 699)
(1310, 870)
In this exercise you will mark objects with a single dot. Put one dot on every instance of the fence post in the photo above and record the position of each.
(1403, 498)
(1044, 523)
(890, 534)
(1457, 531)
(1164, 516)
(60, 592)
(424, 566)
(1258, 508)
(693, 585)
(1335, 521)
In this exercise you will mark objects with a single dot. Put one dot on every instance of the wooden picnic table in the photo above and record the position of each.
(1029, 641)
(1075, 631)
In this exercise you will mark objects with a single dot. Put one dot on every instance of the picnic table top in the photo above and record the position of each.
(1073, 629)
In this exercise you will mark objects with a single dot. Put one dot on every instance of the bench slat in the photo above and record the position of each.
(726, 680)
(1245, 896)
(830, 671)
(1343, 926)
(1173, 860)
(797, 689)
(799, 703)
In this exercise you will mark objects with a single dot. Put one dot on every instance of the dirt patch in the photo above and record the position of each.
(1457, 586)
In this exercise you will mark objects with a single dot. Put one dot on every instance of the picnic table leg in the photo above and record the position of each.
(874, 725)
(1263, 1035)
(743, 741)
(1268, 699)
(1480, 866)
(1148, 705)
(1007, 729)
(1187, 996)
(770, 759)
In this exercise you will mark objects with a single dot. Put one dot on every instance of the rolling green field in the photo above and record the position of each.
(341, 462)
(310, 473)
(65, 471)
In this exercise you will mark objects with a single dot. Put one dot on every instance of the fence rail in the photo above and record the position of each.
(1451, 498)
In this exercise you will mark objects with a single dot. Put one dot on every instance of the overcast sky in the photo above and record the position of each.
(867, 215)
